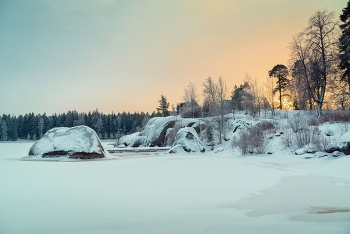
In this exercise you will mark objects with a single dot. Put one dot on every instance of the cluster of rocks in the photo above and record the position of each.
(82, 142)
(158, 129)
(334, 149)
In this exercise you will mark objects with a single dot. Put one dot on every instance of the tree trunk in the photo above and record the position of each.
(280, 99)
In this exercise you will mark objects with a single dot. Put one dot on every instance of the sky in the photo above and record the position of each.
(122, 55)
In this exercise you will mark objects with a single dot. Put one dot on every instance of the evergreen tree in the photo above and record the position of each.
(3, 130)
(280, 72)
(14, 134)
(236, 98)
(344, 45)
(163, 106)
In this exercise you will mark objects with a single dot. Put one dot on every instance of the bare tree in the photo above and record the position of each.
(269, 93)
(215, 96)
(252, 98)
(191, 96)
(210, 94)
(223, 105)
(315, 49)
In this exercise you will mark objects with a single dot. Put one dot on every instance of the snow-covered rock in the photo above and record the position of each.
(76, 142)
(342, 145)
(187, 137)
(132, 140)
(301, 151)
(320, 154)
(177, 149)
(155, 131)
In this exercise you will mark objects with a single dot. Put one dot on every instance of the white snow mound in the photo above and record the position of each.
(76, 142)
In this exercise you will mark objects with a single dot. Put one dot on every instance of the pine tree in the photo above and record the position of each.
(163, 106)
(280, 72)
(3, 128)
(344, 45)
(236, 98)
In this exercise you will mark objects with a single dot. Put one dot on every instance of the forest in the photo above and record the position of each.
(108, 126)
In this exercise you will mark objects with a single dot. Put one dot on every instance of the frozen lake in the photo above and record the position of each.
(192, 193)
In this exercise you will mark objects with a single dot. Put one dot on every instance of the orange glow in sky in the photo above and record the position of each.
(122, 55)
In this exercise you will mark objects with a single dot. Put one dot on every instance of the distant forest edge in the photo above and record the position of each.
(107, 126)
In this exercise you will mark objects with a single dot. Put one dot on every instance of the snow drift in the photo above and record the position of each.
(76, 142)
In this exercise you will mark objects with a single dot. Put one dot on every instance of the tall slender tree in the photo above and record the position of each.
(281, 73)
(344, 45)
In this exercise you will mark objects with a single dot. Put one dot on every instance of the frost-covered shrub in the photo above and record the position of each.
(343, 127)
(337, 116)
(313, 122)
(302, 137)
(322, 143)
(266, 126)
(243, 141)
(287, 139)
(209, 131)
(298, 123)
(252, 140)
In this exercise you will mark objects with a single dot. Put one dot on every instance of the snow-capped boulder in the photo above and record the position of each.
(187, 137)
(155, 131)
(132, 140)
(76, 142)
(343, 145)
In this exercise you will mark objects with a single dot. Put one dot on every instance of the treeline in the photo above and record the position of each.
(108, 126)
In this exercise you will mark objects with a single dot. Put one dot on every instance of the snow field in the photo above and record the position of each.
(189, 193)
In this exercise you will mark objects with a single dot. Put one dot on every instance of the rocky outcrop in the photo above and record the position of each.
(188, 139)
(77, 142)
(155, 131)
(343, 145)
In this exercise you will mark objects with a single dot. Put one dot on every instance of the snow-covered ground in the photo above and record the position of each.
(220, 192)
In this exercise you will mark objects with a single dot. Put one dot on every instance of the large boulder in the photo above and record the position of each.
(342, 145)
(187, 137)
(156, 129)
(76, 142)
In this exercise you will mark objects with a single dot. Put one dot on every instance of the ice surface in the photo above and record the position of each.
(220, 192)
